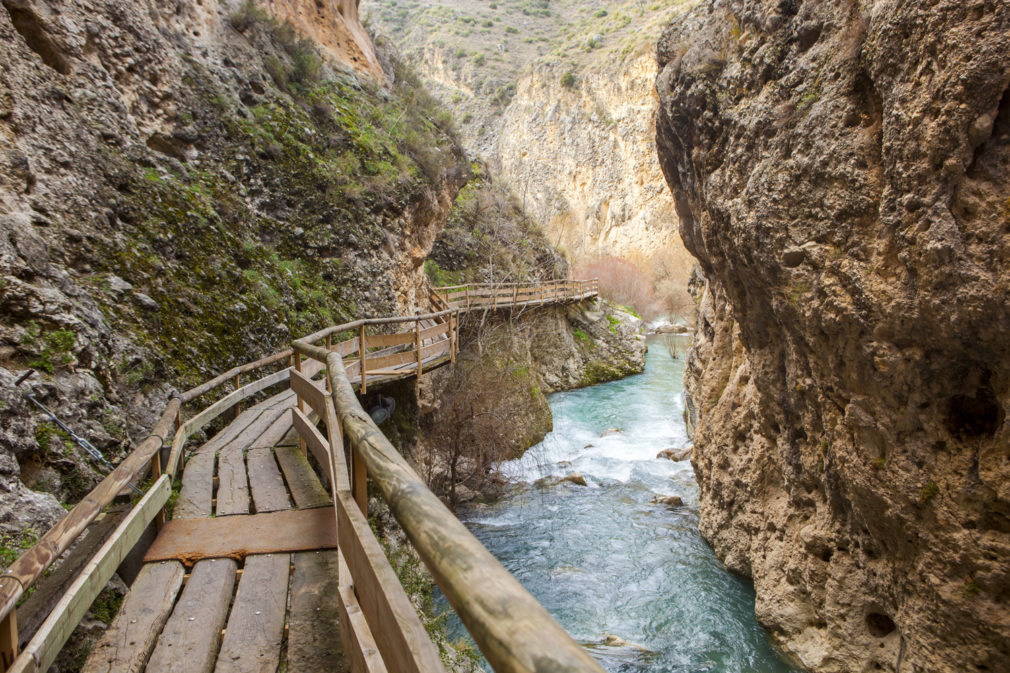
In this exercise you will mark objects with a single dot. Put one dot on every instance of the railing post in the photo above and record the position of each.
(359, 480)
(159, 518)
(362, 350)
(467, 289)
(9, 639)
(301, 403)
(452, 337)
(417, 345)
(515, 294)
(238, 407)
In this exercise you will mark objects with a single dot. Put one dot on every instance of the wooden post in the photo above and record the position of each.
(159, 518)
(467, 297)
(237, 409)
(452, 337)
(359, 481)
(362, 349)
(329, 347)
(301, 403)
(515, 294)
(9, 639)
(417, 345)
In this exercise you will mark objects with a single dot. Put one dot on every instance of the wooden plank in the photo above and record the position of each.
(391, 360)
(359, 644)
(45, 645)
(50, 588)
(191, 540)
(197, 490)
(387, 340)
(191, 637)
(224, 436)
(435, 349)
(302, 480)
(248, 437)
(233, 398)
(29, 566)
(193, 393)
(128, 642)
(275, 433)
(269, 493)
(407, 647)
(317, 444)
(232, 483)
(437, 330)
(314, 615)
(347, 347)
(9, 646)
(309, 392)
(255, 632)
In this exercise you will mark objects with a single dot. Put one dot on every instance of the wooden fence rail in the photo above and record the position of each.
(511, 628)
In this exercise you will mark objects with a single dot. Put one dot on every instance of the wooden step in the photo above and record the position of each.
(314, 644)
(302, 480)
(268, 490)
(255, 632)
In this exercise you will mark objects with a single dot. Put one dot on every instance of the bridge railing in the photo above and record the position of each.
(513, 631)
(367, 357)
(509, 295)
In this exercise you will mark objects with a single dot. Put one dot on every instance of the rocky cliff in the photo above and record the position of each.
(184, 186)
(842, 173)
(557, 98)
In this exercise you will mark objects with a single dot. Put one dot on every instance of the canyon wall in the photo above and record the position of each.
(842, 173)
(579, 154)
(185, 186)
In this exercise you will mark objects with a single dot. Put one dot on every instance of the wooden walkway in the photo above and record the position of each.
(267, 562)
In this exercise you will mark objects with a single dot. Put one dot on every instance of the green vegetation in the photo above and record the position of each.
(928, 492)
(106, 605)
(53, 349)
(267, 231)
(568, 80)
(12, 545)
(614, 322)
(582, 336)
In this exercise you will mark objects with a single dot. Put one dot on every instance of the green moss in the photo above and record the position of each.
(582, 336)
(928, 492)
(53, 349)
(614, 322)
(106, 605)
(12, 545)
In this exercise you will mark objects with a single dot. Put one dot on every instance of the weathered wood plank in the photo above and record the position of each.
(387, 340)
(50, 588)
(197, 490)
(275, 433)
(359, 644)
(268, 490)
(314, 616)
(303, 483)
(435, 331)
(232, 483)
(317, 444)
(224, 437)
(127, 643)
(389, 612)
(29, 566)
(191, 637)
(247, 437)
(255, 632)
(310, 391)
(51, 636)
(190, 540)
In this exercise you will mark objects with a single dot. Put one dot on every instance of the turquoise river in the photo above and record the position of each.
(632, 580)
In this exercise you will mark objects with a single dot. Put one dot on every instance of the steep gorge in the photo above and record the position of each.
(840, 172)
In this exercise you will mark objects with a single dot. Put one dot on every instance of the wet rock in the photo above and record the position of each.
(574, 478)
(668, 500)
(610, 431)
(674, 454)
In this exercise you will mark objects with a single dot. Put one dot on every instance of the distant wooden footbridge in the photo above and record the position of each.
(268, 562)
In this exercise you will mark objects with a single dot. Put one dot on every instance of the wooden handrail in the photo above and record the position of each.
(515, 633)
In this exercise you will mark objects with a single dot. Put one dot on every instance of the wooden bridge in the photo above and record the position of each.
(267, 561)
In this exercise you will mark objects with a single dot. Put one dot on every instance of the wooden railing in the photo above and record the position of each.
(513, 631)
(511, 295)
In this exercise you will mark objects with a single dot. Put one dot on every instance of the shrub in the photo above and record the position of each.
(623, 282)
(479, 60)
(568, 80)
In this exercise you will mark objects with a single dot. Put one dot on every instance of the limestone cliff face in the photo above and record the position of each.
(842, 172)
(581, 157)
(185, 186)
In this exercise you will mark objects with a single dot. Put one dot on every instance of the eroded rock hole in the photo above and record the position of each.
(36, 37)
(879, 624)
(974, 416)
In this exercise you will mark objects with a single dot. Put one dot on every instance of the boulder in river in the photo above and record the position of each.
(611, 431)
(576, 478)
(676, 455)
(668, 500)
